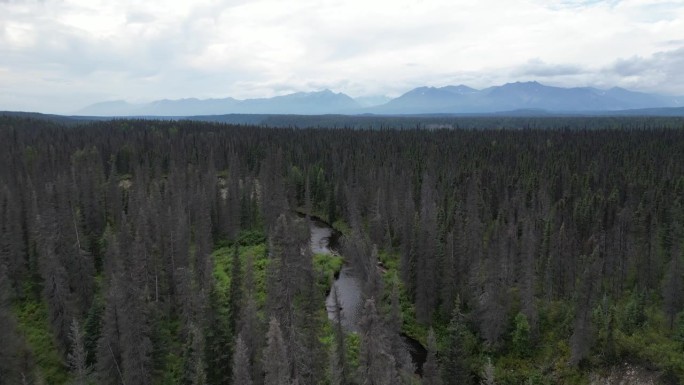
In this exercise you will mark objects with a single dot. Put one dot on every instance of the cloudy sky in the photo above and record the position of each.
(60, 55)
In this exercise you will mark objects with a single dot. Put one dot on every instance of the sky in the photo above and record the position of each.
(57, 56)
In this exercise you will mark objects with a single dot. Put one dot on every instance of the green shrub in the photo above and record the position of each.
(32, 319)
(521, 336)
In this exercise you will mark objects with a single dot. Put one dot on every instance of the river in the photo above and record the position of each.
(348, 288)
(346, 284)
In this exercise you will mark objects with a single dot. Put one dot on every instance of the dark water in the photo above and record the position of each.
(417, 351)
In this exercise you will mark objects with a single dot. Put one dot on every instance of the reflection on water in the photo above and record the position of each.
(320, 238)
(347, 285)
(348, 298)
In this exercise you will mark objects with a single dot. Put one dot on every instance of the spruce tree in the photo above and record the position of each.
(241, 366)
(77, 357)
(276, 360)
(431, 374)
(339, 373)
(376, 363)
(455, 370)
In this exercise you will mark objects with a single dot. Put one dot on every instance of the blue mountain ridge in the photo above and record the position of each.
(422, 100)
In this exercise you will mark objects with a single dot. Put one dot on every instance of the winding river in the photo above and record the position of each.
(348, 288)
(346, 285)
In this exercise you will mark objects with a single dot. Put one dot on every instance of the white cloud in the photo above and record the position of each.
(58, 55)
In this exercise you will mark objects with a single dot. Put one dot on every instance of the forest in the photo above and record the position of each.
(140, 252)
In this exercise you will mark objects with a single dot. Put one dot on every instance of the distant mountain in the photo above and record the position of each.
(309, 103)
(425, 100)
(372, 101)
(521, 96)
(111, 108)
(460, 90)
(460, 99)
(185, 107)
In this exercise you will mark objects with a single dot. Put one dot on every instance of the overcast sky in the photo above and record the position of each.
(60, 55)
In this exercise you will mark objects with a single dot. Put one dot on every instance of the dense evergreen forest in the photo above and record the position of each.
(173, 252)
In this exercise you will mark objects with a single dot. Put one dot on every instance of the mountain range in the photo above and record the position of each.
(461, 99)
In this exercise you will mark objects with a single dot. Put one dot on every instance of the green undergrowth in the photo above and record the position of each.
(32, 317)
(648, 344)
(342, 226)
(390, 276)
(252, 245)
(641, 336)
(171, 364)
(353, 345)
(653, 344)
(326, 265)
(256, 252)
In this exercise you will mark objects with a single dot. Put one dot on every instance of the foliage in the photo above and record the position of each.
(521, 336)
(566, 226)
(327, 265)
(169, 361)
(651, 345)
(353, 347)
(679, 332)
(342, 226)
(33, 323)
(222, 264)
